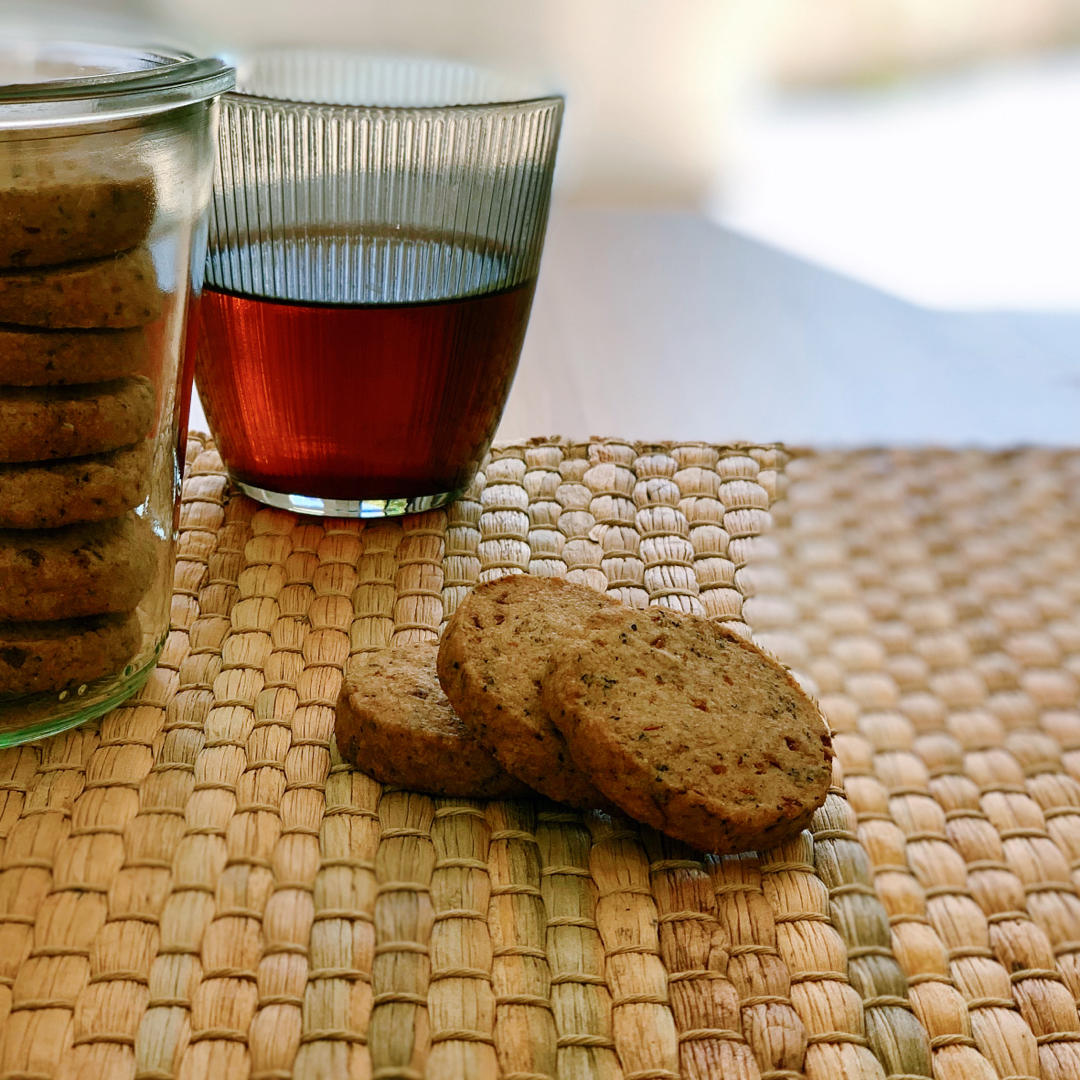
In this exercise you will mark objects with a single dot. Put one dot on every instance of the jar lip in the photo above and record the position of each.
(158, 66)
(95, 82)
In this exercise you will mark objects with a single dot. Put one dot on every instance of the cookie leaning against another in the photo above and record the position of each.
(47, 495)
(689, 728)
(79, 570)
(394, 723)
(491, 659)
(113, 293)
(30, 357)
(36, 657)
(46, 423)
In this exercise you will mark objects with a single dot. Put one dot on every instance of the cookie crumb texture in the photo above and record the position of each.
(49, 495)
(491, 660)
(34, 357)
(395, 723)
(114, 293)
(49, 423)
(98, 569)
(39, 657)
(63, 211)
(689, 728)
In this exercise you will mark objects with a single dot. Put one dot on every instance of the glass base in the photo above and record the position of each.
(119, 691)
(346, 508)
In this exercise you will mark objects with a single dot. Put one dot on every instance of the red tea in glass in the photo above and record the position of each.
(397, 401)
(375, 236)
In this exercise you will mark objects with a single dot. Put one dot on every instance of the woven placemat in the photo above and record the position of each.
(198, 886)
(932, 601)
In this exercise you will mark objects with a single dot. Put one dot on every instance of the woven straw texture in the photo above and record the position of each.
(197, 885)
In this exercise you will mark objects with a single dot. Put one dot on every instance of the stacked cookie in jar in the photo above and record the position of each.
(78, 297)
(106, 161)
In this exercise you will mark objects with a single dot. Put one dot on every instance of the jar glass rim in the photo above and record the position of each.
(105, 81)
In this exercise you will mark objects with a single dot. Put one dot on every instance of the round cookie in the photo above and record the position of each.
(30, 357)
(113, 293)
(79, 570)
(38, 657)
(46, 423)
(689, 728)
(394, 723)
(75, 490)
(58, 212)
(491, 659)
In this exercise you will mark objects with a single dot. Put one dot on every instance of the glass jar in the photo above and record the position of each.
(106, 159)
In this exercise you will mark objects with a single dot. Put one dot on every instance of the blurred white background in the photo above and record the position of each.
(924, 146)
(954, 190)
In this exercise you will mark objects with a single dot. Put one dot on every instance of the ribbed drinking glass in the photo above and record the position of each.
(376, 230)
